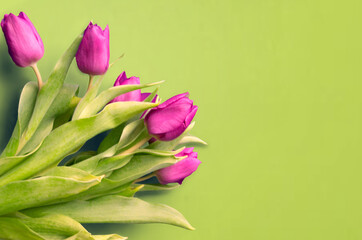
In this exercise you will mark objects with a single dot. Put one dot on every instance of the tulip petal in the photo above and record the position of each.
(179, 171)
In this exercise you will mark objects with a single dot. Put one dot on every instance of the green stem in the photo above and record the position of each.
(38, 75)
(91, 77)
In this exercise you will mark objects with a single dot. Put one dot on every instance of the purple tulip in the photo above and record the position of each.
(169, 120)
(93, 52)
(129, 96)
(24, 43)
(180, 170)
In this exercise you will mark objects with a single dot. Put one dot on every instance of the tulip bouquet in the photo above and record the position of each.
(48, 185)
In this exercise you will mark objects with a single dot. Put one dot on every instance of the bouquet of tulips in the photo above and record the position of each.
(48, 186)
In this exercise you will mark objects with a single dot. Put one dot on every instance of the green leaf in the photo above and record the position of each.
(53, 226)
(108, 237)
(106, 96)
(141, 165)
(50, 90)
(81, 235)
(109, 164)
(63, 183)
(156, 187)
(130, 133)
(111, 139)
(90, 164)
(151, 96)
(114, 209)
(7, 163)
(191, 140)
(106, 187)
(70, 136)
(25, 109)
(60, 105)
(14, 229)
(88, 97)
(130, 191)
(80, 157)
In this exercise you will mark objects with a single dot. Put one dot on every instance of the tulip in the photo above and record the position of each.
(180, 170)
(129, 96)
(24, 43)
(169, 120)
(93, 53)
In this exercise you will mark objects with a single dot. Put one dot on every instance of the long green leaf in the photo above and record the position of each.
(7, 163)
(14, 229)
(141, 165)
(106, 96)
(114, 209)
(60, 105)
(44, 190)
(50, 90)
(191, 140)
(156, 187)
(64, 139)
(53, 226)
(88, 97)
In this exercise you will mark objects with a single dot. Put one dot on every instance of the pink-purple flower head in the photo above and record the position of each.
(135, 95)
(129, 96)
(180, 170)
(93, 53)
(170, 119)
(24, 43)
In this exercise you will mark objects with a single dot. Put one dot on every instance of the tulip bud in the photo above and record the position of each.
(129, 96)
(180, 170)
(169, 120)
(24, 43)
(93, 53)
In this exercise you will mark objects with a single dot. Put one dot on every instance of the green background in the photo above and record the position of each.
(278, 85)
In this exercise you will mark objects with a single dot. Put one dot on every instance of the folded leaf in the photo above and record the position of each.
(106, 96)
(6, 163)
(114, 209)
(53, 226)
(60, 105)
(14, 229)
(191, 140)
(88, 97)
(44, 190)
